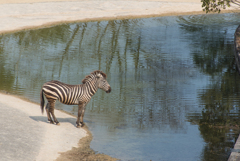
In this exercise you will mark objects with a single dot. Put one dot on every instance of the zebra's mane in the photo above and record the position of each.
(93, 73)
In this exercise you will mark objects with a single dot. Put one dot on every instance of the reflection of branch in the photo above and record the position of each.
(83, 31)
(125, 53)
(138, 51)
(114, 45)
(236, 2)
(118, 53)
(22, 42)
(67, 47)
(96, 39)
(99, 46)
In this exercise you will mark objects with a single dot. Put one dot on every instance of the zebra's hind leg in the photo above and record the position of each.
(51, 110)
(48, 113)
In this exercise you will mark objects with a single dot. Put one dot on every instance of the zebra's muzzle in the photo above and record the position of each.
(109, 90)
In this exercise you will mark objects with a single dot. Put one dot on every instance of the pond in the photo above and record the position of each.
(175, 91)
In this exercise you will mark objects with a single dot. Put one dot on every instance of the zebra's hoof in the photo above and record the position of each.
(79, 125)
(58, 124)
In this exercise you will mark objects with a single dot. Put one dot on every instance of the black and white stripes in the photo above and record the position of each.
(73, 94)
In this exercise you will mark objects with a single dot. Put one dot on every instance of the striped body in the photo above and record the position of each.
(69, 94)
(73, 94)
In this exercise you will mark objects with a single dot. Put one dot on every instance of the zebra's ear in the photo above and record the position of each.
(99, 75)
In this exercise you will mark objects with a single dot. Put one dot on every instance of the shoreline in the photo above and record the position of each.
(25, 129)
(76, 149)
(51, 24)
(23, 15)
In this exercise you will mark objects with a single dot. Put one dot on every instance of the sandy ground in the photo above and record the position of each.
(25, 14)
(23, 127)
(26, 135)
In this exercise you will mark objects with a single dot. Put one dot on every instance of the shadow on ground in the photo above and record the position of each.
(44, 119)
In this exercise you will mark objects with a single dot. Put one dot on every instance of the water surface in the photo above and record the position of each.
(175, 90)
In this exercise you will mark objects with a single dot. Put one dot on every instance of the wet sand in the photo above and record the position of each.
(18, 15)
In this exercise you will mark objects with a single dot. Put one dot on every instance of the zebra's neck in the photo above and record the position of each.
(91, 86)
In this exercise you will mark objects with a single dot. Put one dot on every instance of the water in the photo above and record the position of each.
(175, 91)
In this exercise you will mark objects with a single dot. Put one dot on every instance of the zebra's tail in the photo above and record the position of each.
(42, 101)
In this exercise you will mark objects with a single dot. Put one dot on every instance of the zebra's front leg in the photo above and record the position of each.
(80, 110)
(81, 118)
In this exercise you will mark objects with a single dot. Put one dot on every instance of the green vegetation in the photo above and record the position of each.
(217, 5)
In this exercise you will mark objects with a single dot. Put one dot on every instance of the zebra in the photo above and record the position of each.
(68, 94)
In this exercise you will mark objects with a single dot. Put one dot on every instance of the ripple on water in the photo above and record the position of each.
(172, 81)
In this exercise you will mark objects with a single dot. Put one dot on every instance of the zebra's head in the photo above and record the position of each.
(99, 78)
(102, 82)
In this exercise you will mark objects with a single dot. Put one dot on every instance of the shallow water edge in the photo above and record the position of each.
(83, 152)
(135, 52)
(52, 24)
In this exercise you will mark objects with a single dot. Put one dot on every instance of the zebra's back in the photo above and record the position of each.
(65, 93)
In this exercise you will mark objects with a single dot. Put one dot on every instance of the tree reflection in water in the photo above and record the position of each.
(164, 72)
(213, 55)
